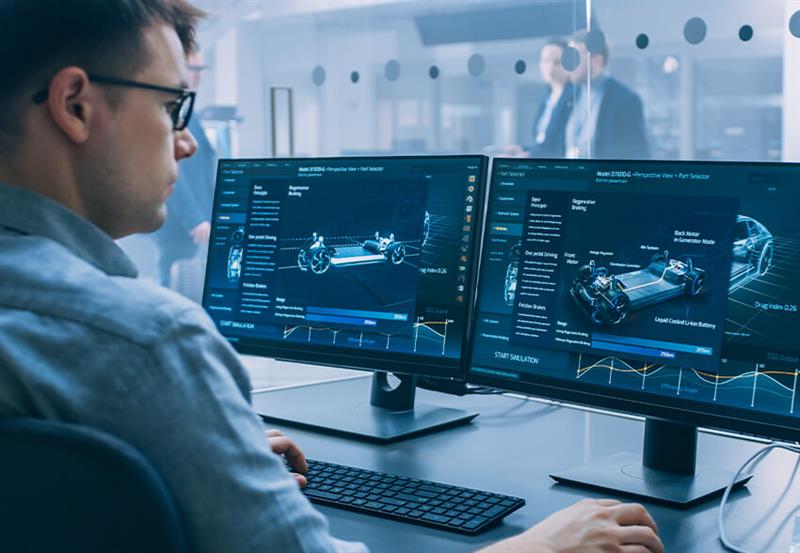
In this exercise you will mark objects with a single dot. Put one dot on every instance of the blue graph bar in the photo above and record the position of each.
(622, 348)
(683, 348)
(342, 320)
(356, 313)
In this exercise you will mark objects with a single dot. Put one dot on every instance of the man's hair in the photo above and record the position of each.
(602, 48)
(555, 41)
(40, 37)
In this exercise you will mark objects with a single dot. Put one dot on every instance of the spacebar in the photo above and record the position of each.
(322, 495)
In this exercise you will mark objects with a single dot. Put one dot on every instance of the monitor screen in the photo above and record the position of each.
(667, 289)
(357, 262)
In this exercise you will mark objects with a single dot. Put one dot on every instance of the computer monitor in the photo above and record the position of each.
(664, 289)
(357, 262)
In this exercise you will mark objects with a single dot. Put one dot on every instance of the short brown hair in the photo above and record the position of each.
(40, 37)
(600, 43)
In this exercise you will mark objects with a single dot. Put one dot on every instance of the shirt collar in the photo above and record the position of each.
(27, 212)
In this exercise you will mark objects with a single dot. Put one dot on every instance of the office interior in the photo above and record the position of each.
(332, 80)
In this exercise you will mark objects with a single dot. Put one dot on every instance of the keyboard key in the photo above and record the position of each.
(414, 498)
(432, 489)
(392, 501)
(373, 505)
(475, 522)
(322, 495)
(506, 503)
(359, 501)
(389, 508)
(347, 499)
(438, 511)
(402, 511)
(475, 511)
(456, 522)
(422, 493)
(416, 514)
(493, 511)
(436, 518)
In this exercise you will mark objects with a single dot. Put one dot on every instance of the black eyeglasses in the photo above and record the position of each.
(180, 114)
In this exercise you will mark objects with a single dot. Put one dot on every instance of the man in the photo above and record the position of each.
(607, 121)
(188, 226)
(90, 138)
(555, 106)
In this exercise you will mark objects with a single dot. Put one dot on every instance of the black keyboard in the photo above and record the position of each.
(433, 504)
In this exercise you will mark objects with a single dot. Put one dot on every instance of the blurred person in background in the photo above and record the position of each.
(607, 121)
(555, 106)
(187, 229)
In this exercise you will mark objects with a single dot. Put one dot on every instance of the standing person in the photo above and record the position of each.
(608, 121)
(94, 127)
(555, 106)
(188, 225)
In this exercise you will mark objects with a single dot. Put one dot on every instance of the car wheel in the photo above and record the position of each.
(397, 253)
(765, 260)
(695, 284)
(320, 261)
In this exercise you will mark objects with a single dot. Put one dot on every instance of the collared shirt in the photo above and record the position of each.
(82, 340)
(582, 122)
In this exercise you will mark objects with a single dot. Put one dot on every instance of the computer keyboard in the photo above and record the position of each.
(442, 506)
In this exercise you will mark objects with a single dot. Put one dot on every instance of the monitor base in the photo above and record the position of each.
(343, 407)
(623, 473)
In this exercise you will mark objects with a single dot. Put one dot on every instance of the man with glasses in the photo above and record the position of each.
(92, 128)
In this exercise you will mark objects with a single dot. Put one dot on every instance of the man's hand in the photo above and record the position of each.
(281, 445)
(591, 525)
(201, 234)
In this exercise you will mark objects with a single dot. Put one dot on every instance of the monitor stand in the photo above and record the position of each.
(336, 408)
(665, 473)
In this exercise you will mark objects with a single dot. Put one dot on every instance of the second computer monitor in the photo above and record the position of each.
(666, 289)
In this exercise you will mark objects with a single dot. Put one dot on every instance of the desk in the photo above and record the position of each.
(513, 445)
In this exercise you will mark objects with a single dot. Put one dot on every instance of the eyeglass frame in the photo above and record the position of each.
(184, 95)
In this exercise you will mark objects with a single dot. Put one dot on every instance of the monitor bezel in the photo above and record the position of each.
(369, 360)
(616, 399)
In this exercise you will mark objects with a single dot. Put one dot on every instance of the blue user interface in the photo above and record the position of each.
(663, 280)
(344, 254)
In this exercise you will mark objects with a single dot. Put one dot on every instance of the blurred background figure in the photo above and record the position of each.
(555, 106)
(609, 122)
(183, 240)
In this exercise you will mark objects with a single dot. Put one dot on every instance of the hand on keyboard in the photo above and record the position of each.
(296, 461)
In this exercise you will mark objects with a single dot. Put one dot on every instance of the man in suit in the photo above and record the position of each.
(555, 106)
(607, 121)
(188, 223)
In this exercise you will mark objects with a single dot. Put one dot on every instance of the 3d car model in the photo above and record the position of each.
(510, 287)
(753, 250)
(235, 254)
(318, 257)
(609, 299)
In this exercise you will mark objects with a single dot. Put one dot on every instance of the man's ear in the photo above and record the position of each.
(71, 103)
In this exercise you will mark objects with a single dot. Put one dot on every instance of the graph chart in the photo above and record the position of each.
(738, 384)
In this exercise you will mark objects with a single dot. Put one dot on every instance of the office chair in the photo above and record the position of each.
(65, 487)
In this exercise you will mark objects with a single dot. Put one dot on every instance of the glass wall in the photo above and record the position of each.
(684, 79)
(716, 80)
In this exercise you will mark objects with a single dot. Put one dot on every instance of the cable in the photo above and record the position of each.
(756, 458)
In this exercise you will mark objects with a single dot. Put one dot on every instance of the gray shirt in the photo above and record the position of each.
(83, 340)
